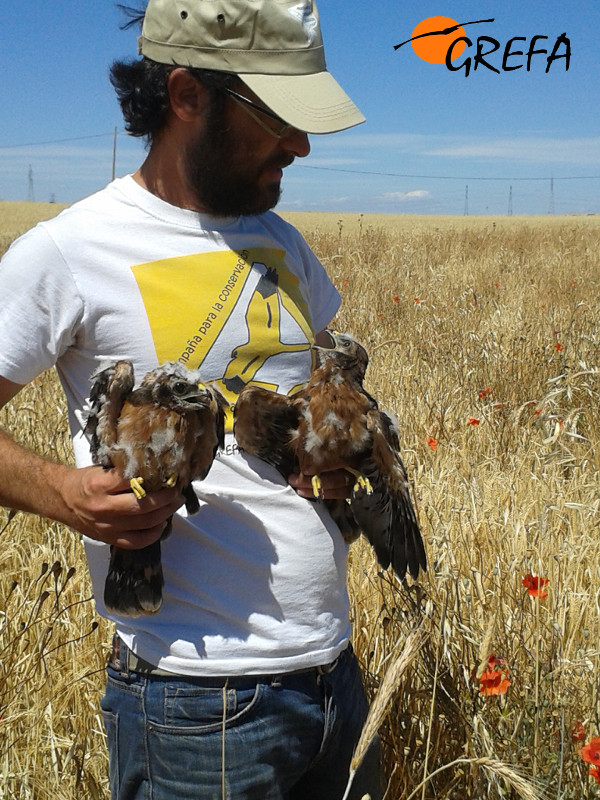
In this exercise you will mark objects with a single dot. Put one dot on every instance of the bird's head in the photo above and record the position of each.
(174, 386)
(344, 351)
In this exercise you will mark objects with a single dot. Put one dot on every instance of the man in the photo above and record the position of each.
(243, 685)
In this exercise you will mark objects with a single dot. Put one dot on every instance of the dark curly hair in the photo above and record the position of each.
(143, 95)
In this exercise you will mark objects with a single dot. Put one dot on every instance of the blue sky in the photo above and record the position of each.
(435, 141)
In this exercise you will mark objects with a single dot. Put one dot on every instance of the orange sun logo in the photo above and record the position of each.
(431, 39)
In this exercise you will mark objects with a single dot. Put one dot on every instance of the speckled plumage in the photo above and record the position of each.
(335, 422)
(164, 433)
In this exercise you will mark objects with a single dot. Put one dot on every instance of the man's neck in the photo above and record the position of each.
(165, 178)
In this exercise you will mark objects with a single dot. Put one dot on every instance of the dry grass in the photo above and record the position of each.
(448, 307)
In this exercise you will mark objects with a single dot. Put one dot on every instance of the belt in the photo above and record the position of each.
(124, 661)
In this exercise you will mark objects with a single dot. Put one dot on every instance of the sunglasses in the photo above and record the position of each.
(269, 121)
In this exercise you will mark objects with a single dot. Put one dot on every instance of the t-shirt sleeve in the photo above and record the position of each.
(40, 307)
(325, 300)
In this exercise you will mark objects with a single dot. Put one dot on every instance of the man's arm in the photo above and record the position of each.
(92, 500)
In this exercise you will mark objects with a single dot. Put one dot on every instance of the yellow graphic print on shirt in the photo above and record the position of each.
(238, 316)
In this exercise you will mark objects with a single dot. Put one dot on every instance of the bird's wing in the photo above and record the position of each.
(219, 409)
(386, 514)
(213, 433)
(341, 514)
(264, 423)
(110, 387)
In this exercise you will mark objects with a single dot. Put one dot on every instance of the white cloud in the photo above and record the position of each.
(533, 149)
(400, 197)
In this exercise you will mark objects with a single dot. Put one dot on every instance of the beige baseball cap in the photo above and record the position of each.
(274, 46)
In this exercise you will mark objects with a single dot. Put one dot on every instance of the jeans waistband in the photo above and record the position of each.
(124, 660)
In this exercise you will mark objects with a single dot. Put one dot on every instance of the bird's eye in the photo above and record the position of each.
(179, 387)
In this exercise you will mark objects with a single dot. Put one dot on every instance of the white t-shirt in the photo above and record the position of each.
(255, 582)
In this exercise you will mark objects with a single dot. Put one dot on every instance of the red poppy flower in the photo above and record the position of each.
(432, 442)
(591, 751)
(595, 773)
(417, 301)
(559, 347)
(494, 680)
(473, 421)
(485, 393)
(535, 584)
(396, 299)
(578, 732)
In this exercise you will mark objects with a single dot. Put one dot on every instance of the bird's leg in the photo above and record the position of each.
(361, 481)
(137, 488)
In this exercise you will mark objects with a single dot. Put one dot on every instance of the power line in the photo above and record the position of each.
(449, 177)
(55, 141)
(114, 133)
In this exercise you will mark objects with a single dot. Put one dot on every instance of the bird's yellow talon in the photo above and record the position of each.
(137, 488)
(171, 480)
(317, 486)
(361, 482)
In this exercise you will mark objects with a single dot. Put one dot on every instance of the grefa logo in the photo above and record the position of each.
(442, 40)
(303, 13)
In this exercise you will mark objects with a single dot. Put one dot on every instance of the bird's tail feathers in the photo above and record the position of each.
(134, 582)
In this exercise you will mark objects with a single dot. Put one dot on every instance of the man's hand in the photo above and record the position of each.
(336, 484)
(100, 504)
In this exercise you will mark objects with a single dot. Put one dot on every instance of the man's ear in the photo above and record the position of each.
(188, 97)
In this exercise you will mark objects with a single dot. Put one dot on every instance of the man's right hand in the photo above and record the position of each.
(100, 504)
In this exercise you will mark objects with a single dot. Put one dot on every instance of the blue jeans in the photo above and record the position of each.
(286, 737)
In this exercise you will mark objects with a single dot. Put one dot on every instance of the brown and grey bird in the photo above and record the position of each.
(333, 421)
(166, 432)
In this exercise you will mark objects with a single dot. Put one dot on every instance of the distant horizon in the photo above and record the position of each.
(329, 212)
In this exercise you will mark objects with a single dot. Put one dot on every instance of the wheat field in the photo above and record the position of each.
(484, 341)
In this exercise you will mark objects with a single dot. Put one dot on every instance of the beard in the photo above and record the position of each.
(224, 174)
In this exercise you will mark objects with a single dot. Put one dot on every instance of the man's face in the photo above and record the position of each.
(234, 167)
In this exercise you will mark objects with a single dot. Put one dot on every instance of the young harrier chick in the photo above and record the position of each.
(164, 433)
(334, 422)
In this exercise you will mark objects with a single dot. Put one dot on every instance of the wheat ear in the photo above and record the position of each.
(380, 705)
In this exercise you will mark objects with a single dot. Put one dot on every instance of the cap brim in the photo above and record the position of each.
(313, 103)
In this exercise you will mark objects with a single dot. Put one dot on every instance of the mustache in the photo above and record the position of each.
(279, 161)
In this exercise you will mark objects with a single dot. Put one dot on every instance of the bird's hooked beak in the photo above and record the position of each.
(196, 394)
(326, 341)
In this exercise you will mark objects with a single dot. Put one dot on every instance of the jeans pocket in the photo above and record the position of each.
(194, 709)
(111, 726)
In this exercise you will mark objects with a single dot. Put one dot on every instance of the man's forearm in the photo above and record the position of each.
(29, 482)
(92, 500)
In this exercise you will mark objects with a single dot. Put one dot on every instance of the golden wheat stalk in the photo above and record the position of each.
(380, 705)
(486, 647)
(521, 785)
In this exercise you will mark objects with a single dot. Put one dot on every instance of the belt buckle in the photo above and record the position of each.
(118, 659)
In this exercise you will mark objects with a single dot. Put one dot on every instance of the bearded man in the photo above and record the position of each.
(244, 684)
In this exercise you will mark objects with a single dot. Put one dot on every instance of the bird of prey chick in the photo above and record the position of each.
(164, 433)
(334, 422)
